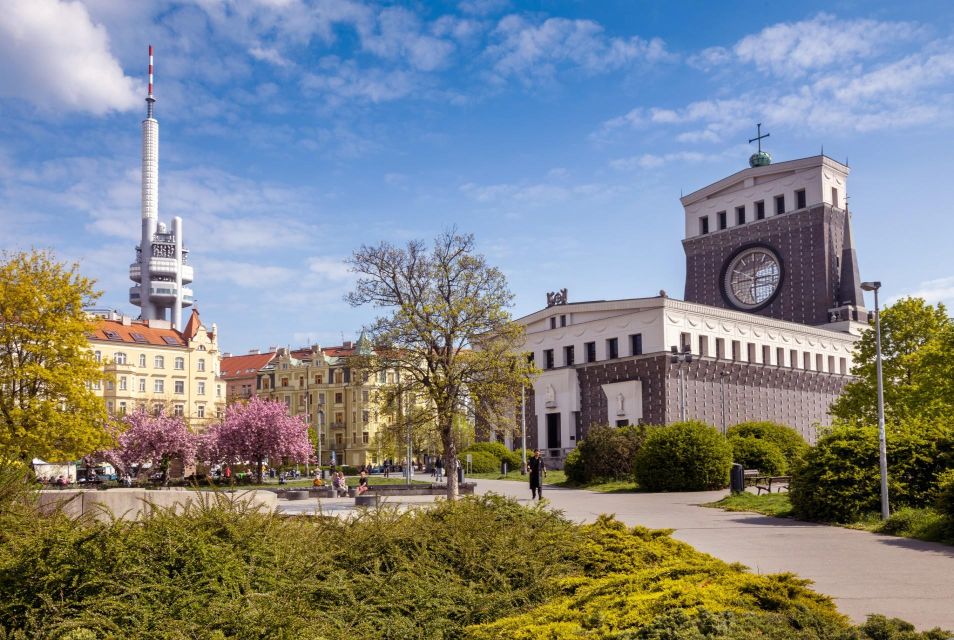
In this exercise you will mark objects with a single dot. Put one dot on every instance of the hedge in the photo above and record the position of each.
(683, 456)
(789, 442)
(606, 453)
(753, 453)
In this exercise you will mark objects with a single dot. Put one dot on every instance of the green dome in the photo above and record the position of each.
(760, 159)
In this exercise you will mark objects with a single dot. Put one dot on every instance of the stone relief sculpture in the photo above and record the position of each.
(620, 404)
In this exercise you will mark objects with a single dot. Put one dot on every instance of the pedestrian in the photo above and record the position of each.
(387, 468)
(439, 469)
(538, 471)
(281, 478)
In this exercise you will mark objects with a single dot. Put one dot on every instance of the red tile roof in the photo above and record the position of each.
(192, 326)
(152, 335)
(244, 366)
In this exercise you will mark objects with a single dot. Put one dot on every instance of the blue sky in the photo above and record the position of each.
(560, 133)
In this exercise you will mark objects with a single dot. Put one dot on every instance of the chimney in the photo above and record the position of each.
(347, 344)
(127, 321)
(252, 351)
(227, 355)
(272, 349)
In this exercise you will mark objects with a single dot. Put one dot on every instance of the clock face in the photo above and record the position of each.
(752, 277)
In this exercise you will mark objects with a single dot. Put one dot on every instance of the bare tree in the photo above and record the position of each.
(446, 332)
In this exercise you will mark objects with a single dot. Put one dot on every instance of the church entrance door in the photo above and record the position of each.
(553, 431)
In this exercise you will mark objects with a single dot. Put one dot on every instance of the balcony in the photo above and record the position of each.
(162, 267)
(336, 425)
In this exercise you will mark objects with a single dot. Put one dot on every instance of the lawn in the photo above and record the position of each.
(771, 504)
(557, 478)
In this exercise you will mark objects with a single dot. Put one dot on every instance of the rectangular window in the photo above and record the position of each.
(339, 397)
(800, 199)
(636, 344)
(179, 364)
(843, 366)
(722, 220)
(159, 362)
(553, 322)
(793, 359)
(720, 348)
(612, 348)
(200, 365)
(142, 360)
(766, 354)
(703, 345)
(365, 395)
(760, 210)
(531, 358)
(548, 358)
(109, 385)
(740, 215)
(338, 439)
(200, 387)
(819, 362)
(736, 350)
(807, 361)
(200, 411)
(831, 364)
(96, 385)
(365, 437)
(354, 437)
(288, 401)
(590, 348)
(779, 205)
(179, 386)
(178, 410)
(703, 225)
(685, 342)
(365, 416)
(122, 383)
(780, 356)
(109, 407)
(750, 352)
(159, 386)
(834, 198)
(568, 356)
(562, 321)
(339, 417)
(142, 384)
(122, 408)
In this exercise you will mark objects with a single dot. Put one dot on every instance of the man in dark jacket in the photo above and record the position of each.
(538, 471)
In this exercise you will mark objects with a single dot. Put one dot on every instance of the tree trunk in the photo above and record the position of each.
(450, 458)
(258, 472)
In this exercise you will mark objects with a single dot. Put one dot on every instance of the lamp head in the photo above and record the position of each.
(870, 286)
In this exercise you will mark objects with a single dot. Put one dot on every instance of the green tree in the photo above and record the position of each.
(446, 332)
(917, 345)
(47, 409)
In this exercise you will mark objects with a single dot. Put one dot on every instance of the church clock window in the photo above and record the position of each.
(740, 215)
(752, 278)
(722, 220)
(704, 225)
(779, 205)
(760, 210)
(800, 199)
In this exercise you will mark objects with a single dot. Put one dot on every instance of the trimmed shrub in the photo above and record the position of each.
(683, 456)
(753, 453)
(481, 462)
(789, 442)
(839, 478)
(573, 465)
(499, 451)
(607, 453)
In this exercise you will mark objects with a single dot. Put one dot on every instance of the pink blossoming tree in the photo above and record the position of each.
(154, 440)
(257, 431)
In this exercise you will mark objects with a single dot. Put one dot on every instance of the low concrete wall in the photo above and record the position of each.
(131, 504)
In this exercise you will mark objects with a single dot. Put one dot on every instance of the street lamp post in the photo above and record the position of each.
(882, 439)
(682, 358)
(523, 427)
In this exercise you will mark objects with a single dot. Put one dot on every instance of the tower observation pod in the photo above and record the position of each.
(161, 270)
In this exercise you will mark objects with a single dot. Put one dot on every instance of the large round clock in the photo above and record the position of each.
(752, 278)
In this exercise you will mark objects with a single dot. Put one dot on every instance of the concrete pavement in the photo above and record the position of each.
(864, 572)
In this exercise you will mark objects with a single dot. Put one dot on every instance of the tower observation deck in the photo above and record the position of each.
(161, 270)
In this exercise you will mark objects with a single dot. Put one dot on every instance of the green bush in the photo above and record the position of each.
(607, 453)
(683, 456)
(790, 442)
(924, 524)
(753, 453)
(573, 466)
(497, 450)
(945, 493)
(481, 462)
(839, 478)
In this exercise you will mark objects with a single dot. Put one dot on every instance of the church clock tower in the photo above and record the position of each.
(775, 240)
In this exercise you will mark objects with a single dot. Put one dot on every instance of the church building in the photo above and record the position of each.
(765, 331)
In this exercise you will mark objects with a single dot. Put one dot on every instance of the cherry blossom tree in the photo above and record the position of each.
(257, 431)
(155, 440)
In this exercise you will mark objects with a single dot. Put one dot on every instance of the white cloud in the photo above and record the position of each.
(796, 48)
(246, 275)
(933, 291)
(54, 56)
(326, 268)
(269, 54)
(534, 51)
(340, 80)
(653, 161)
(536, 194)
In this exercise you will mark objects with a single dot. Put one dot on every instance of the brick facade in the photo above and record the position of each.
(808, 242)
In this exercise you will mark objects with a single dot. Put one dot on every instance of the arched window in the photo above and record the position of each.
(160, 362)
(180, 363)
(98, 355)
(142, 360)
(200, 365)
(120, 358)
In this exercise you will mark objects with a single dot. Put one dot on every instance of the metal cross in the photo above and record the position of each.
(759, 137)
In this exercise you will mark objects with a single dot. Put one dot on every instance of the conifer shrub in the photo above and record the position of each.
(754, 453)
(607, 453)
(789, 442)
(683, 456)
(839, 478)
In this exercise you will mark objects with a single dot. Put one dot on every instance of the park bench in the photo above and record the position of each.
(764, 483)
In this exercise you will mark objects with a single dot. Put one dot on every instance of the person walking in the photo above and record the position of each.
(439, 470)
(538, 471)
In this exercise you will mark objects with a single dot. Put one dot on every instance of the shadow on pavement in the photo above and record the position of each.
(917, 545)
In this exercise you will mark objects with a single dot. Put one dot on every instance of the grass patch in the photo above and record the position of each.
(771, 504)
(603, 486)
(554, 477)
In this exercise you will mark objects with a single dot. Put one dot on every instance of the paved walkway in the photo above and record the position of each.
(864, 572)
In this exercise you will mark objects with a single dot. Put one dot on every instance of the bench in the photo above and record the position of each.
(764, 483)
(367, 499)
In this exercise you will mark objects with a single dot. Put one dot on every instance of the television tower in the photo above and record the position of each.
(160, 270)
